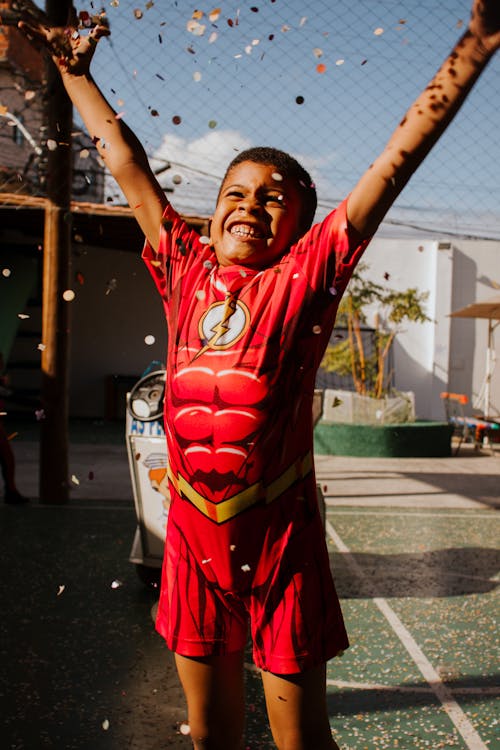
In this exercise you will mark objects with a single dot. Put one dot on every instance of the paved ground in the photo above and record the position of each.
(414, 549)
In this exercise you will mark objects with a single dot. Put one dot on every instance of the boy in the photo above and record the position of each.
(249, 313)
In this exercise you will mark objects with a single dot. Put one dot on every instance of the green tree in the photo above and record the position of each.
(394, 308)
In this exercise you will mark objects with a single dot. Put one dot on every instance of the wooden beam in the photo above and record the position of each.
(54, 486)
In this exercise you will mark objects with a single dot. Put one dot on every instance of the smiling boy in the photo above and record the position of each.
(249, 313)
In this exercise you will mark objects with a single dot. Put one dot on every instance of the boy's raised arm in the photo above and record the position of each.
(120, 149)
(426, 120)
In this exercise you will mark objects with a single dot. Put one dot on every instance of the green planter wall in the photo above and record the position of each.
(414, 439)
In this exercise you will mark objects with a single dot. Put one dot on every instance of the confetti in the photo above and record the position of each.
(245, 568)
(316, 329)
(6, 272)
(195, 27)
(200, 294)
(22, 316)
(197, 76)
(277, 176)
(28, 95)
(149, 340)
(207, 560)
(75, 479)
(214, 15)
(378, 31)
(176, 119)
(340, 61)
(105, 725)
(39, 414)
(116, 584)
(212, 124)
(41, 347)
(69, 295)
(177, 179)
(185, 729)
(51, 144)
(212, 38)
(299, 99)
(138, 13)
(317, 52)
(60, 589)
(204, 239)
(321, 68)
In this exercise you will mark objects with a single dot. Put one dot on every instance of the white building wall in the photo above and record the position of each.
(446, 353)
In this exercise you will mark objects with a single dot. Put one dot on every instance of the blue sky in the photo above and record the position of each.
(237, 85)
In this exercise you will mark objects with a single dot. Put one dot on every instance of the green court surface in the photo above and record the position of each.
(419, 594)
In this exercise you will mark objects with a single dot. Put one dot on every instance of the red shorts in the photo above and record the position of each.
(293, 615)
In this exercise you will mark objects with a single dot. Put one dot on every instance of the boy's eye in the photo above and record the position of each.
(276, 199)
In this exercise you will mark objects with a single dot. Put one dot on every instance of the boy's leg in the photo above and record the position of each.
(214, 689)
(296, 705)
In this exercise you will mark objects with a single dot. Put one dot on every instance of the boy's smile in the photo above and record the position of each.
(257, 216)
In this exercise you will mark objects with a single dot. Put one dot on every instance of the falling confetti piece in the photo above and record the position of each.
(321, 68)
(207, 560)
(105, 725)
(207, 264)
(176, 119)
(22, 316)
(60, 590)
(177, 179)
(204, 239)
(245, 568)
(28, 95)
(41, 347)
(212, 124)
(185, 729)
(68, 295)
(318, 52)
(75, 479)
(51, 144)
(138, 13)
(299, 100)
(149, 340)
(155, 113)
(197, 14)
(340, 61)
(277, 176)
(378, 31)
(214, 15)
(116, 584)
(197, 76)
(332, 291)
(200, 294)
(232, 547)
(213, 37)
(111, 285)
(6, 272)
(39, 414)
(316, 329)
(195, 27)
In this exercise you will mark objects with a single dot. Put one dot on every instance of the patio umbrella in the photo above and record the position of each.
(490, 310)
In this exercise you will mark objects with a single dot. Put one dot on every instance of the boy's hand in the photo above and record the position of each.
(70, 50)
(485, 24)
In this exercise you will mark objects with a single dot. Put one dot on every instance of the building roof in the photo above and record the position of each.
(102, 225)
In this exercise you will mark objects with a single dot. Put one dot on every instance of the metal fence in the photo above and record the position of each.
(327, 80)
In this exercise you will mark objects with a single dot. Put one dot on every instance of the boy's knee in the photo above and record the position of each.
(205, 736)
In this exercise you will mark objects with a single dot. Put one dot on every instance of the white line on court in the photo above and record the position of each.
(455, 713)
(490, 515)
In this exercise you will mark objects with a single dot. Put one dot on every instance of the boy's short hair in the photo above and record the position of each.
(288, 167)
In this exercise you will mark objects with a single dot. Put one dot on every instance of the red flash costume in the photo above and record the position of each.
(245, 541)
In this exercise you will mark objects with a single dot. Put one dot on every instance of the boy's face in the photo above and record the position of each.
(257, 216)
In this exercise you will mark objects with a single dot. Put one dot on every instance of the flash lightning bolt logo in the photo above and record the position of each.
(223, 324)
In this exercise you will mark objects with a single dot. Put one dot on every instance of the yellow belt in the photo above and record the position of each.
(233, 506)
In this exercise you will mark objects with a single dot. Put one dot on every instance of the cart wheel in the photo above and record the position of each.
(149, 576)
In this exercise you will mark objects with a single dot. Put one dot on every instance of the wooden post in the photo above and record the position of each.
(54, 487)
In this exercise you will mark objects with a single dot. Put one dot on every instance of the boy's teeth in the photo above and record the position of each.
(242, 230)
